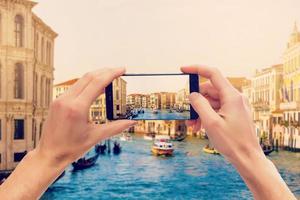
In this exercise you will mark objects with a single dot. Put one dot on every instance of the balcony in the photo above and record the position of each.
(261, 105)
(293, 105)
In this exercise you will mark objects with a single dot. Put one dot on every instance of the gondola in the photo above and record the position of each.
(268, 150)
(117, 148)
(83, 163)
(179, 138)
(100, 148)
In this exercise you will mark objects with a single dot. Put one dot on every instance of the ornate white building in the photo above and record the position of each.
(26, 77)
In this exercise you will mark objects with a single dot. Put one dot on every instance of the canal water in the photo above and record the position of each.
(163, 115)
(189, 174)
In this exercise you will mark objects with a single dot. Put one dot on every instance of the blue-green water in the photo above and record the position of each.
(189, 174)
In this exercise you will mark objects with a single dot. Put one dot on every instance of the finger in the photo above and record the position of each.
(81, 83)
(207, 114)
(216, 78)
(215, 104)
(104, 131)
(96, 86)
(207, 89)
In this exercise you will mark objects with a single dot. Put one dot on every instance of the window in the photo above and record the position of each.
(33, 129)
(41, 128)
(19, 81)
(43, 51)
(36, 44)
(35, 85)
(117, 95)
(19, 156)
(19, 129)
(118, 107)
(42, 91)
(0, 80)
(19, 29)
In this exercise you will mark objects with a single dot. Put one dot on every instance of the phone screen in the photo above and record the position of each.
(151, 97)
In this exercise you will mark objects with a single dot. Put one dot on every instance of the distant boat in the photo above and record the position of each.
(100, 148)
(178, 138)
(83, 163)
(126, 137)
(267, 149)
(149, 136)
(210, 150)
(162, 147)
(155, 111)
(117, 148)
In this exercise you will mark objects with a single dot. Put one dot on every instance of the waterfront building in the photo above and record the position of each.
(26, 79)
(145, 101)
(97, 113)
(291, 91)
(155, 101)
(167, 100)
(265, 98)
(161, 127)
(61, 88)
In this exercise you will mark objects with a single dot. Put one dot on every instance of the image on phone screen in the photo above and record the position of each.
(151, 97)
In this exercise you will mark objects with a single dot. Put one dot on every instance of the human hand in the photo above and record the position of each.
(225, 115)
(67, 134)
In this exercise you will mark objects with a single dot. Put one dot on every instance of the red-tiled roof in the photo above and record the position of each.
(67, 83)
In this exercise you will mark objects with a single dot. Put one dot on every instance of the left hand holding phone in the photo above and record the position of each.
(66, 136)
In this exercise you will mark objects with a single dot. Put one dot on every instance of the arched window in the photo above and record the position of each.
(19, 30)
(19, 81)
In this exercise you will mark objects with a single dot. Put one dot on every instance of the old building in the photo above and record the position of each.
(26, 78)
(97, 112)
(291, 91)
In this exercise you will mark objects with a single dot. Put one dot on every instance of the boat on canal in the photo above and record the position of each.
(117, 148)
(84, 163)
(162, 147)
(126, 137)
(178, 137)
(149, 136)
(267, 149)
(100, 148)
(210, 150)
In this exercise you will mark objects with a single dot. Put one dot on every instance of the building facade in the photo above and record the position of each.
(265, 98)
(291, 92)
(26, 79)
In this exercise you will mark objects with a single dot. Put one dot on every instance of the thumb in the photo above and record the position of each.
(104, 131)
(208, 116)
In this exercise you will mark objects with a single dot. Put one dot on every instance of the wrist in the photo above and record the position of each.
(47, 160)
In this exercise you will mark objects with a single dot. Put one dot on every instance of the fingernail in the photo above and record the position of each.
(193, 96)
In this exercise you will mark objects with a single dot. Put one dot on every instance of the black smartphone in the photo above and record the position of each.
(151, 97)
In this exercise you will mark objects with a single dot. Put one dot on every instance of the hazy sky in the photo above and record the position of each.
(151, 84)
(160, 35)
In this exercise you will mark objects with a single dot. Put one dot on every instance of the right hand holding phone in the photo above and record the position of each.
(224, 114)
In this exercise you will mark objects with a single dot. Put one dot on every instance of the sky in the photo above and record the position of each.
(152, 84)
(160, 35)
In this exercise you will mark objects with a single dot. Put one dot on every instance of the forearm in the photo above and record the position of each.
(262, 177)
(31, 177)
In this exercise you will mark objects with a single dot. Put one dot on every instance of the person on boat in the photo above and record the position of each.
(67, 135)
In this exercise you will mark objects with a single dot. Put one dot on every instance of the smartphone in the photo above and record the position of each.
(151, 97)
